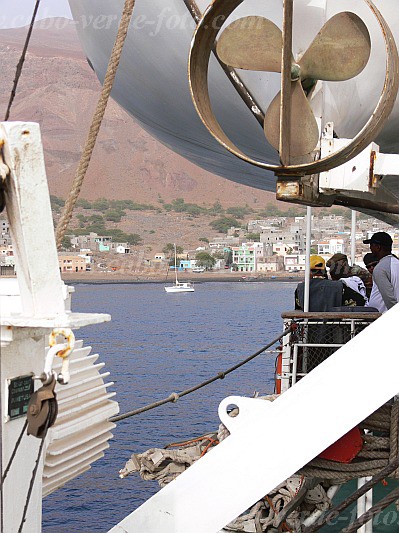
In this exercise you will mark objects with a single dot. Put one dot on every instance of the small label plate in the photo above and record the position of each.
(20, 390)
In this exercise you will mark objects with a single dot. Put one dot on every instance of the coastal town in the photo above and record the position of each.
(271, 246)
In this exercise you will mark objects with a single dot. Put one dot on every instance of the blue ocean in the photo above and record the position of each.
(159, 343)
(156, 344)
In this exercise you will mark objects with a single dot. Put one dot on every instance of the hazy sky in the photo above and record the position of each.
(16, 13)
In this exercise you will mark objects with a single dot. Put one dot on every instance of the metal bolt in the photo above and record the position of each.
(33, 410)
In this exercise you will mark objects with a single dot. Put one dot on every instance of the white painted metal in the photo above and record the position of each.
(386, 164)
(28, 208)
(81, 432)
(355, 174)
(353, 237)
(351, 176)
(364, 503)
(30, 308)
(307, 254)
(187, 504)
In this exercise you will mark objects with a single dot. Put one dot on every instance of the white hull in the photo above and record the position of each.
(152, 79)
(180, 287)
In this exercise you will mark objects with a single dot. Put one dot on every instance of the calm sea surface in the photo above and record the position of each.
(158, 343)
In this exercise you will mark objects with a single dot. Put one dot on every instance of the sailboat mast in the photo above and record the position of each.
(175, 263)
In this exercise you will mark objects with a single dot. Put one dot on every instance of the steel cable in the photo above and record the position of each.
(221, 375)
(3, 477)
(333, 513)
(21, 61)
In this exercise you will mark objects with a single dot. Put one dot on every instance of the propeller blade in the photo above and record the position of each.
(251, 43)
(304, 130)
(340, 50)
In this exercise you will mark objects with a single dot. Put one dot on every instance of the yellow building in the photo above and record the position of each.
(71, 263)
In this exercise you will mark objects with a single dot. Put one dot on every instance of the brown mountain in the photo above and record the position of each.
(59, 90)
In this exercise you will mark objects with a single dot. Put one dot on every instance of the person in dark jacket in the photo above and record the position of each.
(325, 294)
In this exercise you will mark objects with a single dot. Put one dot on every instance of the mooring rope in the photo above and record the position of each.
(221, 375)
(21, 61)
(97, 120)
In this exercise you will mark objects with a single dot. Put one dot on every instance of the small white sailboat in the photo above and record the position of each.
(179, 286)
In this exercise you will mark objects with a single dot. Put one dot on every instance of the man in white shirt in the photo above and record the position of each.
(385, 291)
(340, 270)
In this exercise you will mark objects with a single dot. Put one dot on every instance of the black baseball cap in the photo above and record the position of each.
(381, 237)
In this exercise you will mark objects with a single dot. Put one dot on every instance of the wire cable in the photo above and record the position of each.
(3, 477)
(21, 61)
(221, 375)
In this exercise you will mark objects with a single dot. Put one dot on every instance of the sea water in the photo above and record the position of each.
(156, 344)
(159, 343)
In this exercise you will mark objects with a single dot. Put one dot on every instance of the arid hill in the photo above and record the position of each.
(59, 90)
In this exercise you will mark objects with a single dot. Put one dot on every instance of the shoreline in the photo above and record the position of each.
(114, 278)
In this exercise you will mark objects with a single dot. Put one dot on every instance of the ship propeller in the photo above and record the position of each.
(339, 52)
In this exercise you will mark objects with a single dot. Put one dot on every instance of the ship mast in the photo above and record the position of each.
(175, 263)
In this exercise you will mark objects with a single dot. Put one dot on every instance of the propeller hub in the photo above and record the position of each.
(295, 72)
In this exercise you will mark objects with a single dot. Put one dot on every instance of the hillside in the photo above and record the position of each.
(59, 90)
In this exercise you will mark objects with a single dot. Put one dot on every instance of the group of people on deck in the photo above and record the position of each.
(377, 287)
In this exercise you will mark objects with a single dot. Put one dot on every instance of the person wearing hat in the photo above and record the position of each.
(385, 291)
(325, 294)
(370, 261)
(340, 270)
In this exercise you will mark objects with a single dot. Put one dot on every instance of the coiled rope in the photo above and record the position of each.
(221, 375)
(21, 61)
(97, 120)
(377, 452)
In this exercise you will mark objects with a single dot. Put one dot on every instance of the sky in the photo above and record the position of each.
(16, 13)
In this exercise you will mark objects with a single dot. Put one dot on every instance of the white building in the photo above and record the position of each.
(293, 263)
(331, 247)
(122, 249)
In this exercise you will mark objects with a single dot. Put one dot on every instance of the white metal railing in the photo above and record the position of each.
(314, 337)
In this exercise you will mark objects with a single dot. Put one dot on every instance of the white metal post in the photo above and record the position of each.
(353, 237)
(364, 503)
(30, 307)
(307, 264)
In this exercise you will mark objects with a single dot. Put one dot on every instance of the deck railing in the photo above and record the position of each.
(313, 338)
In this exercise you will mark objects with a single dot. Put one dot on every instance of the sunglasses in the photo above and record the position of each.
(372, 265)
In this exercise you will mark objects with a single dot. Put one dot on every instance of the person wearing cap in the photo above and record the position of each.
(325, 294)
(370, 261)
(340, 270)
(385, 291)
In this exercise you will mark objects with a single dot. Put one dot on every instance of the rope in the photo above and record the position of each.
(14, 452)
(96, 122)
(175, 396)
(385, 472)
(394, 433)
(21, 61)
